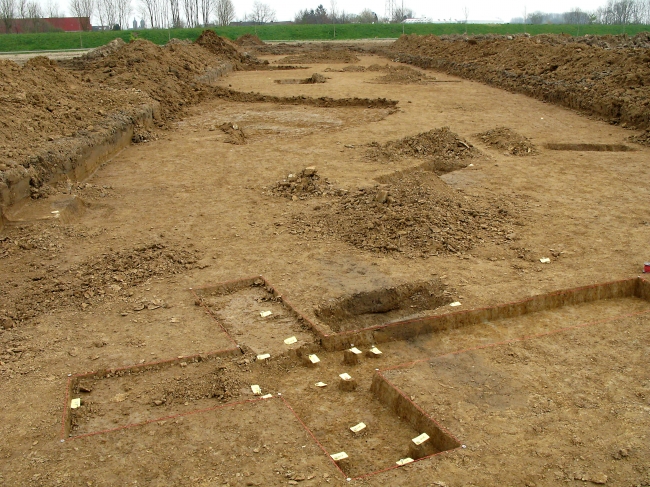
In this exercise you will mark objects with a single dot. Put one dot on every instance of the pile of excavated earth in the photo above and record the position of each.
(411, 212)
(506, 139)
(602, 76)
(441, 150)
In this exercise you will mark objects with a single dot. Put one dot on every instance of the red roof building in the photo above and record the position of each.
(65, 24)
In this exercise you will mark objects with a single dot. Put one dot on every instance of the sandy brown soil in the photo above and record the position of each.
(107, 286)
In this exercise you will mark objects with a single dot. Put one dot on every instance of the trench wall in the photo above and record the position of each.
(407, 410)
(77, 161)
(409, 329)
(562, 94)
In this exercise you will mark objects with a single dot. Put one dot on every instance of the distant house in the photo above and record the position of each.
(65, 24)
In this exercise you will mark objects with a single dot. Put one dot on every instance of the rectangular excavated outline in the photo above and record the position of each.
(634, 287)
(401, 402)
(407, 329)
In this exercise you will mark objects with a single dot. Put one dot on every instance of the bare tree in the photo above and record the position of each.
(333, 14)
(262, 13)
(21, 9)
(367, 16)
(123, 10)
(107, 12)
(191, 12)
(205, 9)
(52, 9)
(156, 11)
(82, 8)
(175, 12)
(150, 10)
(34, 10)
(7, 13)
(225, 10)
(400, 14)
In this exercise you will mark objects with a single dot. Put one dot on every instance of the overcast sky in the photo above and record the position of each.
(478, 9)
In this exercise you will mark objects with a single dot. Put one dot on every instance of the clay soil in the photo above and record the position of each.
(361, 203)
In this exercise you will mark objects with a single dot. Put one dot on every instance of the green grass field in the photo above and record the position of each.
(76, 40)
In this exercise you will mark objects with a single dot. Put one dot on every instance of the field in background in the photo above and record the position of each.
(76, 40)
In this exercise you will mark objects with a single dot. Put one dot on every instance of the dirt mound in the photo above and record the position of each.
(305, 184)
(400, 75)
(643, 138)
(444, 150)
(414, 213)
(235, 133)
(576, 73)
(168, 74)
(312, 80)
(324, 55)
(507, 139)
(280, 49)
(224, 49)
(104, 278)
(50, 107)
(105, 50)
(141, 135)
(249, 40)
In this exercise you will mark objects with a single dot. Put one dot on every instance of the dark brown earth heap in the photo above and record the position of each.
(586, 73)
(107, 277)
(508, 140)
(326, 54)
(443, 150)
(226, 50)
(168, 74)
(414, 213)
(304, 184)
(249, 40)
(400, 75)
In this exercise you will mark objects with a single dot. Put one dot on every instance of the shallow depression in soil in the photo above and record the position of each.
(381, 306)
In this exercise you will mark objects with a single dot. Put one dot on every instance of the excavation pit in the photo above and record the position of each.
(114, 399)
(506, 398)
(590, 147)
(257, 317)
(208, 442)
(377, 307)
(330, 414)
(312, 80)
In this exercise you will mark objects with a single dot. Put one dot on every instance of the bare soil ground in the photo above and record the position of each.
(334, 196)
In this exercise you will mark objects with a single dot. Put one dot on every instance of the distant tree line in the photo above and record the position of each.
(320, 15)
(117, 14)
(614, 12)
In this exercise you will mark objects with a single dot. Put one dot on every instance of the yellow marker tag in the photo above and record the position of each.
(418, 440)
(404, 461)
